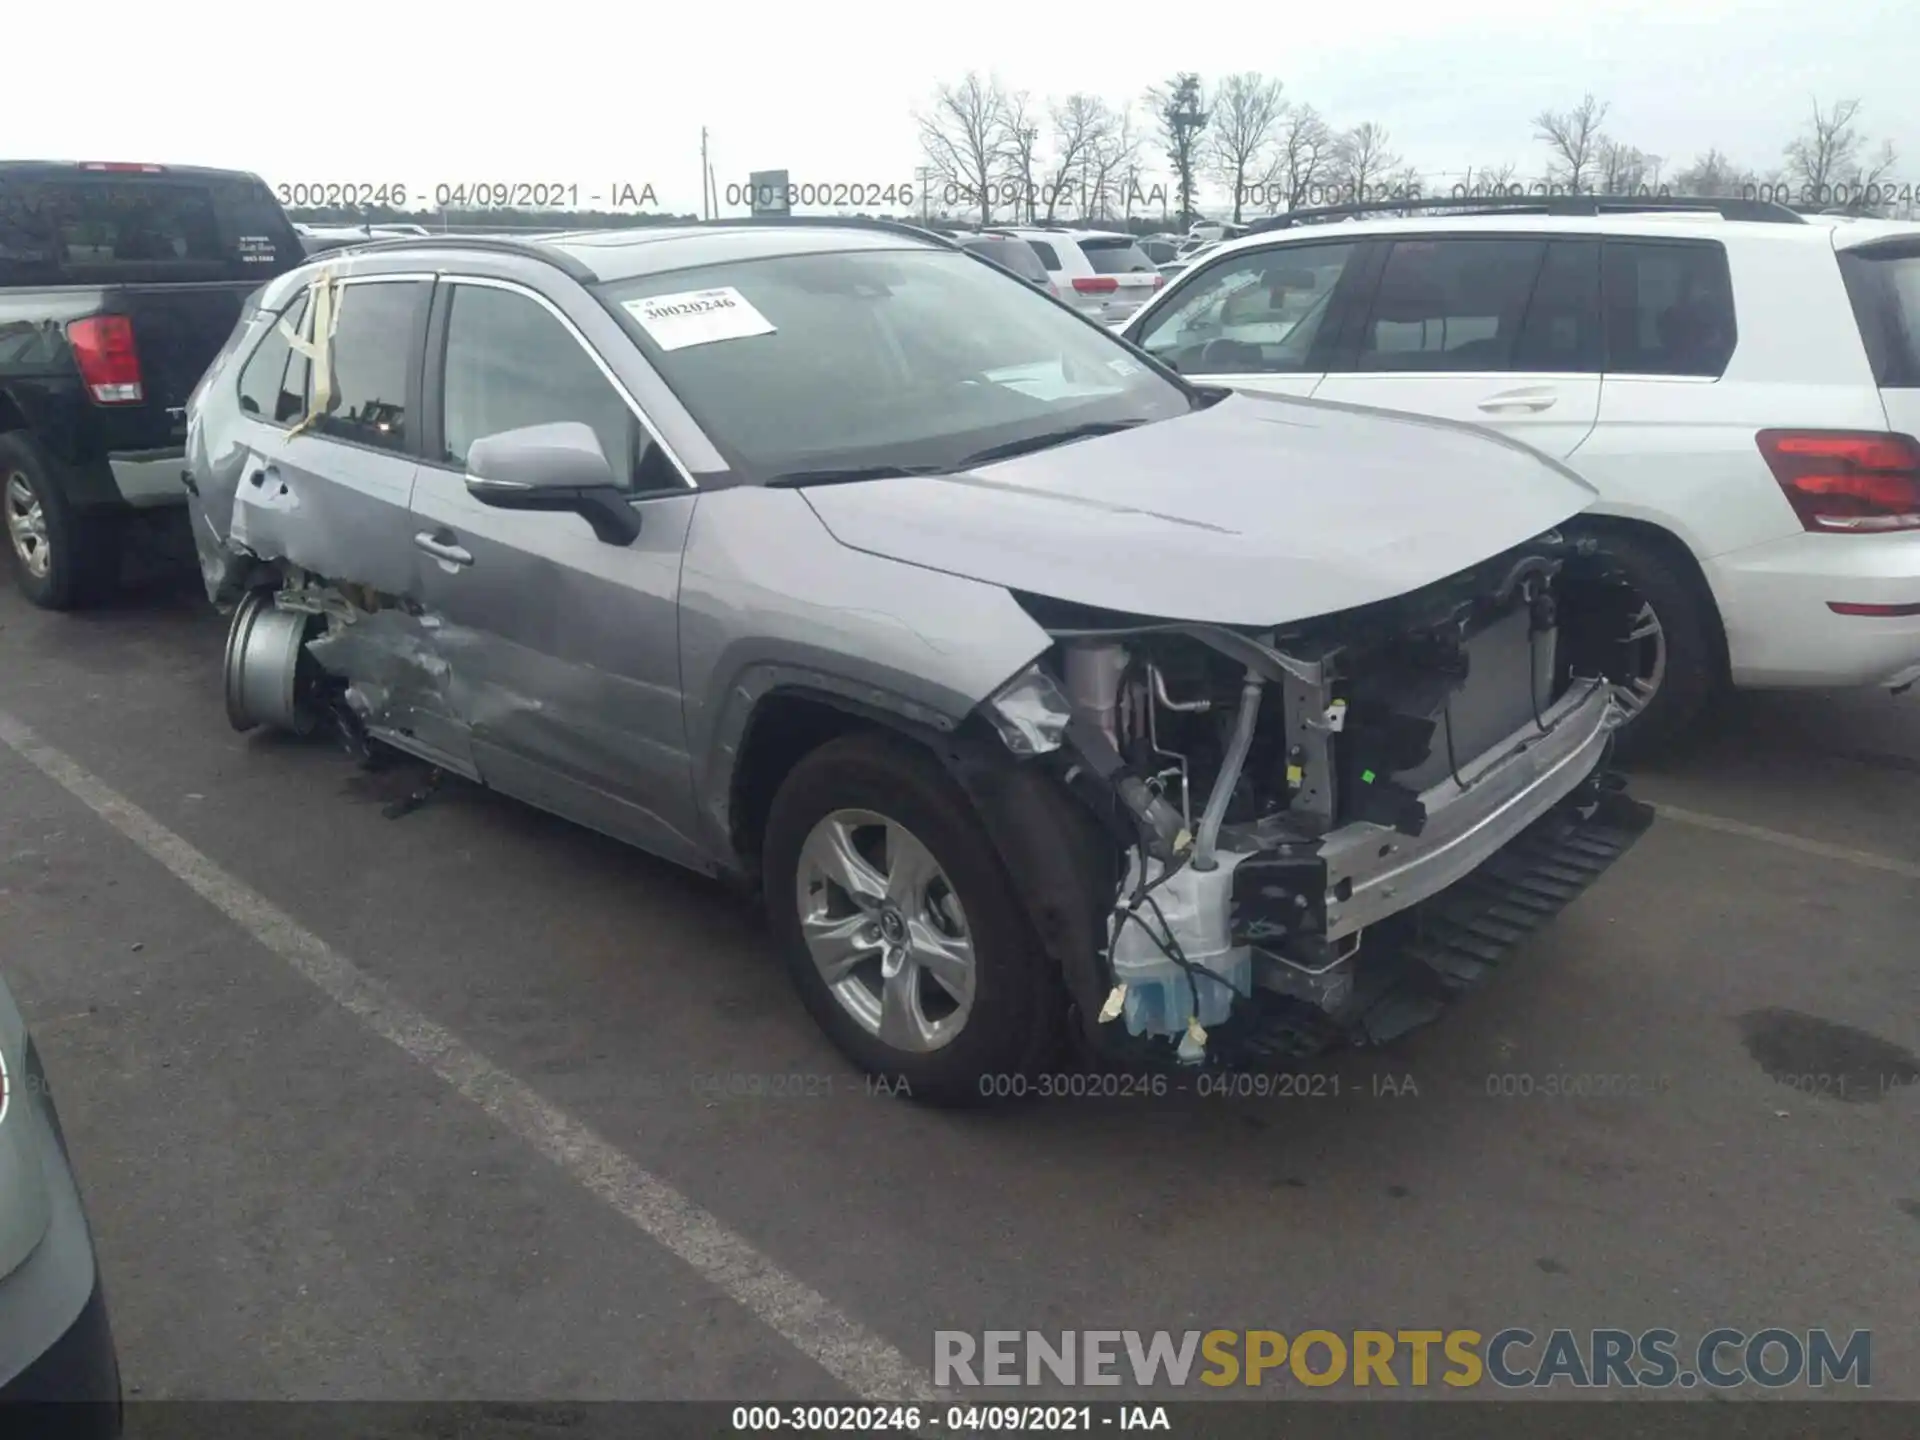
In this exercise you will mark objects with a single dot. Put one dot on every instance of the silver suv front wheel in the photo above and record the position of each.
(886, 930)
(900, 927)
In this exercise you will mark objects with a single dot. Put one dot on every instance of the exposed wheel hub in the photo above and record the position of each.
(893, 928)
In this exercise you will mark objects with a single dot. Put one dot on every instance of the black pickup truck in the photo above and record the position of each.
(119, 283)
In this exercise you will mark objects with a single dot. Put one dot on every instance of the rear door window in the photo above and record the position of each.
(1450, 304)
(372, 352)
(1883, 282)
(114, 227)
(1669, 308)
(1115, 256)
(1048, 256)
(1562, 331)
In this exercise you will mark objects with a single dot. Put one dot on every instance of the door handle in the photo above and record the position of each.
(1497, 403)
(441, 549)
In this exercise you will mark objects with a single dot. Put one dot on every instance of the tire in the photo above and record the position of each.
(1689, 673)
(1016, 1001)
(62, 558)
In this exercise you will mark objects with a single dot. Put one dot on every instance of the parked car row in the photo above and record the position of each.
(1105, 275)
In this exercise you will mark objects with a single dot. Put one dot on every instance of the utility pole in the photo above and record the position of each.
(705, 212)
(1028, 138)
(924, 174)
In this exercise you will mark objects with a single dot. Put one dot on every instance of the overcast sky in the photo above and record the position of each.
(394, 91)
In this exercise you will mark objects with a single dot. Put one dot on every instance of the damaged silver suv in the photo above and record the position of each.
(1043, 693)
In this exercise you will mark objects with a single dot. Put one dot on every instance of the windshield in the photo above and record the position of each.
(910, 358)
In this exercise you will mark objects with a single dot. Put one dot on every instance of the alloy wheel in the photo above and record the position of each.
(27, 526)
(1643, 661)
(886, 930)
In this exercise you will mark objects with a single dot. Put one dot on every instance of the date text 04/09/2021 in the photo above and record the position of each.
(467, 195)
(954, 1419)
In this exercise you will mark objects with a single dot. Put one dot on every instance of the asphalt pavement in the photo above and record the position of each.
(460, 1100)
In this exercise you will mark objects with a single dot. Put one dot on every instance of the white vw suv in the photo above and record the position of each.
(1739, 382)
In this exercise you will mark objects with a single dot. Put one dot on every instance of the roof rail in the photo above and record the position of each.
(499, 244)
(858, 222)
(1765, 211)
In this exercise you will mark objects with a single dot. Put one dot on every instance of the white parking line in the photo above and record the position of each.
(1843, 853)
(805, 1319)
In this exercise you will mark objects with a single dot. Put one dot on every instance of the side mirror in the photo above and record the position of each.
(552, 467)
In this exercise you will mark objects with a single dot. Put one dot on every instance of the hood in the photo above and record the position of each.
(1259, 510)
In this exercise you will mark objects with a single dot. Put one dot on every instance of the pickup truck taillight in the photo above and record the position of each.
(1847, 481)
(103, 349)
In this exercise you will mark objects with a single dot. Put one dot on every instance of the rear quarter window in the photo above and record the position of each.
(1883, 282)
(273, 382)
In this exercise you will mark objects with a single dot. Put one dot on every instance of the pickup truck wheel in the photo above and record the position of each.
(61, 558)
(900, 927)
(1657, 649)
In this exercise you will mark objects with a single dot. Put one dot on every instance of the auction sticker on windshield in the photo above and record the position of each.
(698, 317)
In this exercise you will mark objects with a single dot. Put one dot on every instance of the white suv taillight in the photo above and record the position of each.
(103, 349)
(1847, 481)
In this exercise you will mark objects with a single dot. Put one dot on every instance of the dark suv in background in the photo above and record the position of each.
(119, 283)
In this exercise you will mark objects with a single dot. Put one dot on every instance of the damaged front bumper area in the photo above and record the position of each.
(1318, 838)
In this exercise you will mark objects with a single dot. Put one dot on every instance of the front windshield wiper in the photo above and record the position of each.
(847, 475)
(1046, 441)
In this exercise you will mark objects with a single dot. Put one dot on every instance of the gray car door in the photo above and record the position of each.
(328, 484)
(563, 650)
(330, 490)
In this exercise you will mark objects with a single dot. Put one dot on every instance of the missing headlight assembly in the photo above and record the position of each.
(1292, 814)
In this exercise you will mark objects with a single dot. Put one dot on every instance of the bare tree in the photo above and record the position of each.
(1303, 156)
(964, 138)
(1246, 109)
(1081, 124)
(1362, 161)
(1624, 169)
(1179, 110)
(1712, 176)
(1112, 163)
(1490, 180)
(1573, 138)
(1823, 161)
(1019, 137)
(1406, 182)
